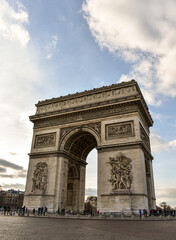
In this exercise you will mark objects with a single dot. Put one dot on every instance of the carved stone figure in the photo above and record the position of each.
(45, 140)
(121, 177)
(118, 130)
(40, 178)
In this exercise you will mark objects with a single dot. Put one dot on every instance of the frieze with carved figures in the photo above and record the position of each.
(86, 115)
(40, 178)
(45, 140)
(119, 130)
(120, 172)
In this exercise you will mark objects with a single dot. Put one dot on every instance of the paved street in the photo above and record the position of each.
(19, 228)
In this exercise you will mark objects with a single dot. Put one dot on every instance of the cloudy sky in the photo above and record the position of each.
(53, 48)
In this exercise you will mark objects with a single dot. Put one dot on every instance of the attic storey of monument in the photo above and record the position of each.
(113, 119)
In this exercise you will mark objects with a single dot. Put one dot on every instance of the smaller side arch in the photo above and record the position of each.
(73, 171)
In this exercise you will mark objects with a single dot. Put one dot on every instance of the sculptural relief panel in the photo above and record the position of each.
(45, 140)
(119, 130)
(120, 172)
(40, 178)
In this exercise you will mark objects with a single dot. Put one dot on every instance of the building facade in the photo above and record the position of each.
(11, 198)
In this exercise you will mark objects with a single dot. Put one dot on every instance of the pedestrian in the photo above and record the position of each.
(58, 211)
(23, 210)
(145, 212)
(33, 211)
(63, 211)
(41, 211)
(38, 211)
(140, 213)
(44, 210)
(5, 209)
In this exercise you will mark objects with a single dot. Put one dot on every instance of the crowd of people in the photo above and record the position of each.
(40, 211)
(156, 212)
(6, 210)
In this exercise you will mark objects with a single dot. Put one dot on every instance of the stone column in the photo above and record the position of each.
(82, 188)
(153, 198)
(61, 183)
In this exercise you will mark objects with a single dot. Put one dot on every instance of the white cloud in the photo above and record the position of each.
(49, 56)
(19, 76)
(157, 116)
(141, 33)
(172, 143)
(13, 186)
(11, 27)
(158, 144)
(167, 195)
(51, 46)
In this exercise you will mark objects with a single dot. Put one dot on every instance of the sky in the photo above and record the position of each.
(53, 48)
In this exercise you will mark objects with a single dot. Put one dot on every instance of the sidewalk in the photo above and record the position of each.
(101, 217)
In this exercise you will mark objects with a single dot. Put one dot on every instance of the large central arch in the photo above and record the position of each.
(115, 120)
(79, 142)
(76, 144)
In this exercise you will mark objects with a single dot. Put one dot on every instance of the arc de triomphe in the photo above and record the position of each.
(115, 120)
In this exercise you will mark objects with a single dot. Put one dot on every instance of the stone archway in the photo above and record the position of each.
(75, 145)
(80, 141)
(115, 120)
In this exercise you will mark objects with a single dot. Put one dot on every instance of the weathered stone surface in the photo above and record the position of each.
(115, 120)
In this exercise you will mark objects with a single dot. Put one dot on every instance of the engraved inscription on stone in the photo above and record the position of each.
(119, 130)
(40, 177)
(45, 140)
(121, 177)
(144, 136)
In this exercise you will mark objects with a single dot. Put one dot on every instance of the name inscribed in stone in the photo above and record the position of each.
(119, 130)
(144, 136)
(45, 140)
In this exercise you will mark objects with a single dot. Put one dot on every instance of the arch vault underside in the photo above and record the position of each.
(115, 120)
